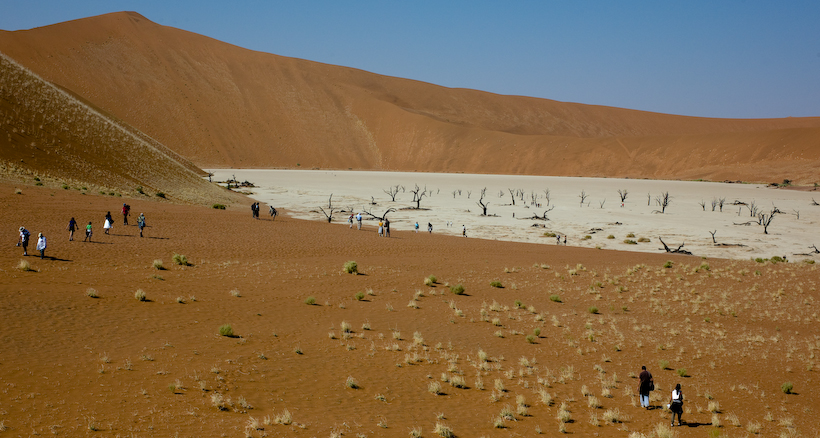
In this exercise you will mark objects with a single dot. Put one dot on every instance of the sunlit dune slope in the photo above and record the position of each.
(220, 105)
(49, 134)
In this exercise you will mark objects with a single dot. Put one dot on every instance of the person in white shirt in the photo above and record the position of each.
(41, 245)
(676, 404)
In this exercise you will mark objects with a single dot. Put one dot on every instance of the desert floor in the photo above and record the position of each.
(556, 347)
(453, 199)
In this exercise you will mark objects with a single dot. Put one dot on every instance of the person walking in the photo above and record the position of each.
(109, 222)
(24, 238)
(72, 225)
(88, 232)
(141, 222)
(417, 227)
(464, 230)
(381, 228)
(429, 227)
(41, 245)
(646, 386)
(350, 221)
(358, 221)
(126, 210)
(676, 404)
(386, 227)
(273, 212)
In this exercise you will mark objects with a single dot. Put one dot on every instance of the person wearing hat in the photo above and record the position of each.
(41, 245)
(24, 236)
(141, 222)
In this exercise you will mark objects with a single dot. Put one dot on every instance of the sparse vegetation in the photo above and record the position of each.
(457, 289)
(787, 387)
(351, 267)
(226, 330)
(218, 206)
(91, 292)
(180, 260)
(555, 298)
(140, 295)
(496, 284)
(430, 280)
(158, 265)
(310, 301)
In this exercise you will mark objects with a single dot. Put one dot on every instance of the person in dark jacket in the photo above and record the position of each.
(646, 386)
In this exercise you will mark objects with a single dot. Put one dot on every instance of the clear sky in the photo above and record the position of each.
(716, 58)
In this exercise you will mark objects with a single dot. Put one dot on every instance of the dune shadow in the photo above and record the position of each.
(158, 238)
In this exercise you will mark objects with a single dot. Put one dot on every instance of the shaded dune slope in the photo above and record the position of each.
(220, 105)
(50, 134)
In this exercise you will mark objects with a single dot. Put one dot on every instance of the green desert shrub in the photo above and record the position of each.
(496, 284)
(630, 242)
(218, 206)
(549, 234)
(787, 387)
(160, 195)
(593, 310)
(664, 364)
(777, 259)
(226, 330)
(457, 289)
(643, 239)
(610, 236)
(668, 264)
(158, 265)
(310, 301)
(681, 372)
(587, 237)
(630, 235)
(180, 259)
(531, 339)
(351, 267)
(430, 280)
(359, 296)
(140, 190)
(139, 295)
(555, 298)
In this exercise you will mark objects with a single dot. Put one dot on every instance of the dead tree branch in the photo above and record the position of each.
(679, 250)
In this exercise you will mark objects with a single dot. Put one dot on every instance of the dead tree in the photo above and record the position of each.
(702, 204)
(753, 209)
(663, 200)
(533, 198)
(623, 193)
(329, 213)
(796, 213)
(547, 196)
(382, 217)
(714, 203)
(512, 195)
(679, 250)
(648, 199)
(813, 202)
(483, 204)
(583, 197)
(602, 203)
(418, 194)
(766, 219)
(392, 191)
(454, 193)
(469, 192)
(721, 201)
(713, 236)
(543, 217)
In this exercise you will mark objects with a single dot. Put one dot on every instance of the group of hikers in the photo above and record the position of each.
(384, 225)
(647, 385)
(255, 211)
(108, 225)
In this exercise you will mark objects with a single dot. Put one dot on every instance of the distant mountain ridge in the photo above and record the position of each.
(219, 105)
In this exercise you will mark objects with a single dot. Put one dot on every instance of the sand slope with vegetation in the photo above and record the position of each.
(48, 136)
(220, 106)
(540, 339)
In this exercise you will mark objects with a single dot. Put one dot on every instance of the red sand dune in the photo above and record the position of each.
(221, 105)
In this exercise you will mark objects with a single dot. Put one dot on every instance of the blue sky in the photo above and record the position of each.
(725, 58)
